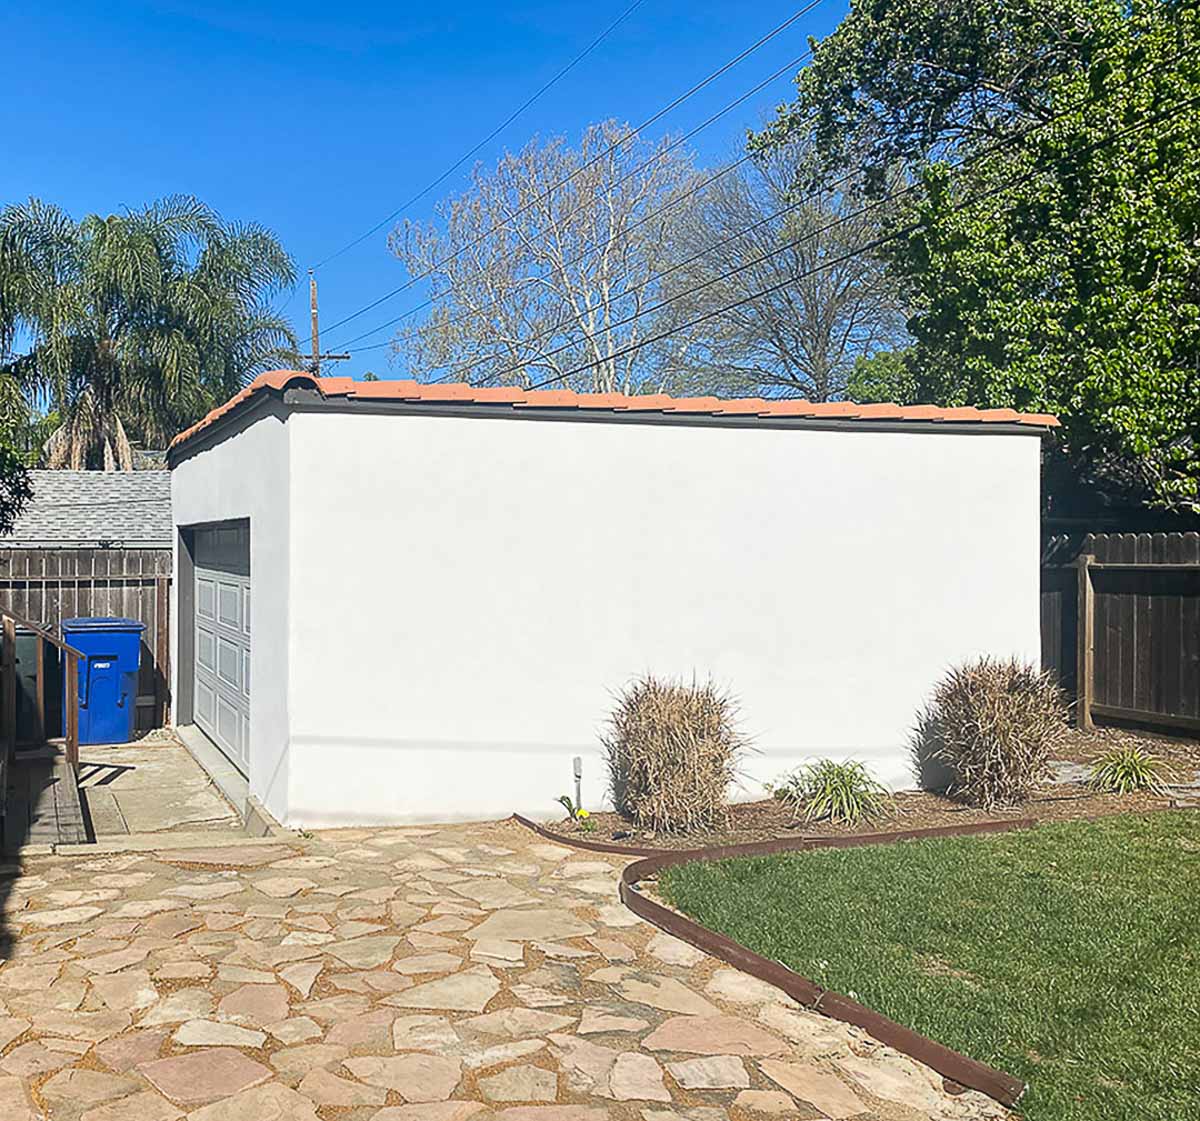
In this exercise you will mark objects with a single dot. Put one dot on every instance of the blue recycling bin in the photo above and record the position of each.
(108, 676)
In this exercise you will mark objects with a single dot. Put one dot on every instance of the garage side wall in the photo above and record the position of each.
(246, 475)
(468, 593)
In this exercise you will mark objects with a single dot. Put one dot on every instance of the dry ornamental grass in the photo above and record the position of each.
(994, 724)
(672, 750)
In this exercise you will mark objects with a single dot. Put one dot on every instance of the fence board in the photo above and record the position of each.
(1189, 638)
(1145, 622)
(49, 585)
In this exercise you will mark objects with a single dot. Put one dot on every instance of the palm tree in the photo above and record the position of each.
(140, 322)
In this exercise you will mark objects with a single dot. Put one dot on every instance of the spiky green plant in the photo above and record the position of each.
(139, 322)
(828, 790)
(1127, 769)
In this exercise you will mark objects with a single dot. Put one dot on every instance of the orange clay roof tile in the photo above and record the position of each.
(461, 393)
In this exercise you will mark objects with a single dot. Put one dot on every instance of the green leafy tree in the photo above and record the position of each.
(886, 375)
(139, 322)
(1050, 247)
(15, 487)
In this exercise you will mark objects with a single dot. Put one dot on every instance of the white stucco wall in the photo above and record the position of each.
(465, 594)
(247, 476)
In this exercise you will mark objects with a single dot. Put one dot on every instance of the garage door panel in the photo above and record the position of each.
(229, 722)
(206, 598)
(229, 662)
(206, 649)
(229, 601)
(206, 703)
(222, 666)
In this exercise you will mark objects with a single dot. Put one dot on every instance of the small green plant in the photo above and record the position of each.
(828, 790)
(577, 814)
(1124, 770)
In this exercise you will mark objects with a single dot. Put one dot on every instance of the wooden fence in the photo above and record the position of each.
(49, 585)
(1121, 626)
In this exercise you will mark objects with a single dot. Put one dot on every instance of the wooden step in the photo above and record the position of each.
(42, 805)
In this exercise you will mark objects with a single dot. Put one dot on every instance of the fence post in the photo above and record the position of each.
(8, 687)
(71, 710)
(39, 708)
(162, 649)
(1085, 637)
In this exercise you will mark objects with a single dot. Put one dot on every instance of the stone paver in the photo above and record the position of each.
(431, 974)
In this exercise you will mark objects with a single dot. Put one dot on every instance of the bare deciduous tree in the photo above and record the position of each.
(540, 267)
(831, 303)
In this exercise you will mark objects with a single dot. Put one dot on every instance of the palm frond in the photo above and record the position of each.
(140, 321)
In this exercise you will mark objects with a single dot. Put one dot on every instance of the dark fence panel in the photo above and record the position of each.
(49, 585)
(1145, 595)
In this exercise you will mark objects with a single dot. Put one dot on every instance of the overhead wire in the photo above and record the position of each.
(629, 135)
(464, 369)
(870, 246)
(658, 155)
(562, 73)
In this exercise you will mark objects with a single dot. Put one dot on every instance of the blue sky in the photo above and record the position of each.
(318, 119)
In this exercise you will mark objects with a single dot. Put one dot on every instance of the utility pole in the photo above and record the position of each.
(316, 331)
(315, 357)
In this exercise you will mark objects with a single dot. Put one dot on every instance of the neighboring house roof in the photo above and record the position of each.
(86, 509)
(509, 400)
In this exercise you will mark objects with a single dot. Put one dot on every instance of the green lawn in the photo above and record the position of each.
(1068, 955)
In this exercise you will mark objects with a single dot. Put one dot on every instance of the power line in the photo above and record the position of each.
(683, 264)
(786, 68)
(868, 247)
(608, 151)
(476, 313)
(490, 136)
(592, 247)
(464, 369)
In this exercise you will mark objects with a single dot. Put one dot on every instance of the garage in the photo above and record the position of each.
(451, 581)
(221, 684)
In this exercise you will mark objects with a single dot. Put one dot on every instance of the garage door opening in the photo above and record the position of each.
(219, 632)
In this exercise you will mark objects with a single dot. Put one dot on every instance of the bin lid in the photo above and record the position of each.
(102, 623)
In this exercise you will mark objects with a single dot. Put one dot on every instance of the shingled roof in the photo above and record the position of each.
(511, 399)
(87, 509)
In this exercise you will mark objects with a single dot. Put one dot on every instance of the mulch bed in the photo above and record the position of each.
(1180, 757)
(769, 820)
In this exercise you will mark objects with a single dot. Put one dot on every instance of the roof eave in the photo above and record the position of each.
(287, 388)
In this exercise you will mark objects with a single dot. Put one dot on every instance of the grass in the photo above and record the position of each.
(1068, 955)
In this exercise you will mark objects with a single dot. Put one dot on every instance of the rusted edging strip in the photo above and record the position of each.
(997, 1084)
(799, 843)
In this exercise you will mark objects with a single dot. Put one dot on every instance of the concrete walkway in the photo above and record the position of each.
(430, 974)
(151, 786)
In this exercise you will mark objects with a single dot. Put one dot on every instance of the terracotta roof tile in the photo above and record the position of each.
(460, 393)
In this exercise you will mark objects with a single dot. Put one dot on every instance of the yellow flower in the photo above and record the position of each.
(582, 813)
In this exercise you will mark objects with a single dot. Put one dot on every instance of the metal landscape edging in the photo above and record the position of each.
(950, 1064)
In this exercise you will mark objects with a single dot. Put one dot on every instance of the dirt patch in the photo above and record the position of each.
(769, 820)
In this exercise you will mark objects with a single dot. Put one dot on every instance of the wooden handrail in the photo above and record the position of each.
(49, 636)
(10, 620)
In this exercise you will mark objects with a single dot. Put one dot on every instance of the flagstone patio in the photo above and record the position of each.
(431, 974)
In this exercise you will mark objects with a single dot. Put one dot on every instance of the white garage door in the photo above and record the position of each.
(222, 652)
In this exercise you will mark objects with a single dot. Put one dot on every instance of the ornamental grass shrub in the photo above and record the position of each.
(831, 791)
(993, 726)
(1127, 770)
(672, 750)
